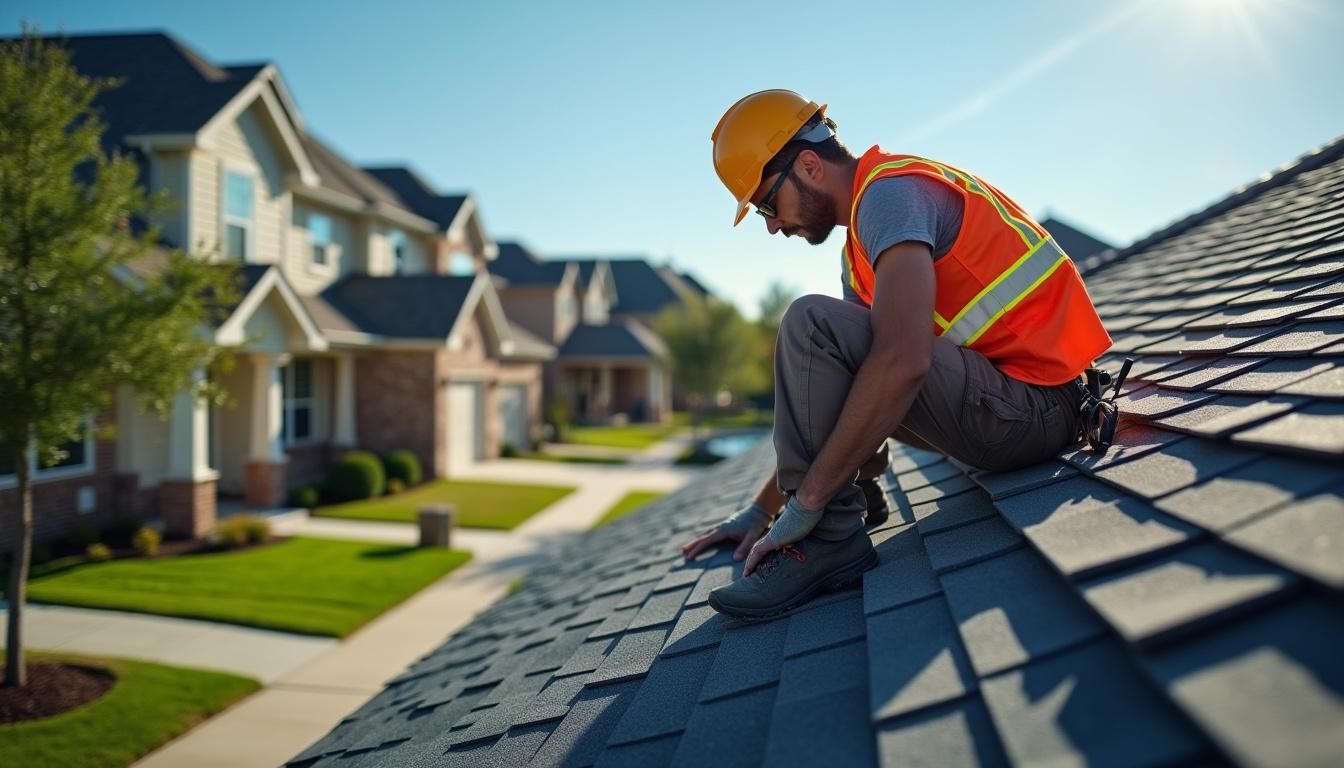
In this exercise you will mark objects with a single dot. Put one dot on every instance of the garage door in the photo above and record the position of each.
(465, 439)
(513, 414)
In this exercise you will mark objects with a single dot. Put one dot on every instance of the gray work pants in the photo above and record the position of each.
(966, 408)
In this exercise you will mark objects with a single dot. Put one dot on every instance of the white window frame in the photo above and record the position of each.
(289, 404)
(39, 475)
(225, 220)
(331, 249)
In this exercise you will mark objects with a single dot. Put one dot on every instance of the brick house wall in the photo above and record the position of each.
(398, 403)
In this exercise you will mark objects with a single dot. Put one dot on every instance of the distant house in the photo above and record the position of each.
(366, 317)
(1078, 244)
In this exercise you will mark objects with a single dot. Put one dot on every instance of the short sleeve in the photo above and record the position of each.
(900, 209)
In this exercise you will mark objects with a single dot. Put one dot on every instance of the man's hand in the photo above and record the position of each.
(795, 522)
(747, 526)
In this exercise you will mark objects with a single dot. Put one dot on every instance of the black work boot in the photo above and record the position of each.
(878, 512)
(789, 577)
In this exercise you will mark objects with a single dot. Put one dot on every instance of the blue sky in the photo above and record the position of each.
(583, 127)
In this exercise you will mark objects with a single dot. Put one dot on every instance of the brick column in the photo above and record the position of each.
(264, 470)
(187, 495)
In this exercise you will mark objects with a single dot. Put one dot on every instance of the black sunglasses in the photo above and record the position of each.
(765, 207)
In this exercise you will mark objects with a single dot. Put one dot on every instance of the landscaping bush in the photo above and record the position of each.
(98, 553)
(242, 530)
(304, 496)
(404, 466)
(257, 529)
(358, 475)
(146, 542)
(507, 451)
(395, 486)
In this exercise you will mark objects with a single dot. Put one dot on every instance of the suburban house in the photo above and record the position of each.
(598, 313)
(366, 317)
(1078, 244)
(1178, 600)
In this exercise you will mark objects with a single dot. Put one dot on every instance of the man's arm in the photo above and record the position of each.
(887, 381)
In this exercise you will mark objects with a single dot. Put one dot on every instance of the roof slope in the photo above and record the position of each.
(400, 306)
(641, 288)
(418, 196)
(615, 339)
(516, 264)
(1075, 242)
(1178, 601)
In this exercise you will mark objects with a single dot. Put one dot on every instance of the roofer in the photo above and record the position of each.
(964, 330)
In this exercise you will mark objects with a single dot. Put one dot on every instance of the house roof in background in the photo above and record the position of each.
(419, 196)
(519, 266)
(340, 175)
(401, 306)
(641, 288)
(618, 339)
(1179, 600)
(1074, 241)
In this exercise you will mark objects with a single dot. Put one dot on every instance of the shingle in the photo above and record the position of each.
(729, 732)
(1271, 376)
(1332, 311)
(710, 580)
(1315, 429)
(955, 735)
(906, 459)
(1272, 293)
(1306, 537)
(1131, 442)
(830, 670)
(830, 624)
(1263, 314)
(953, 485)
(970, 544)
(1087, 707)
(1002, 484)
(631, 657)
(903, 574)
(698, 627)
(1175, 467)
(1147, 367)
(615, 623)
(1153, 401)
(1207, 342)
(1213, 373)
(918, 478)
(1328, 267)
(915, 659)
(748, 658)
(1083, 526)
(1228, 413)
(952, 511)
(1013, 608)
(1301, 340)
(1269, 690)
(1243, 493)
(1327, 384)
(680, 577)
(1182, 590)
(665, 700)
(581, 735)
(657, 751)
(660, 608)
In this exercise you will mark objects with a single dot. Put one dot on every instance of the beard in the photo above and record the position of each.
(817, 214)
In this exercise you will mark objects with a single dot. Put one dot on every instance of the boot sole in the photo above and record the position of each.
(835, 581)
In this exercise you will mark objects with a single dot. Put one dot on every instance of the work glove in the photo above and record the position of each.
(795, 522)
(745, 526)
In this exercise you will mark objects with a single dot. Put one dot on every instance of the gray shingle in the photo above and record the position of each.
(698, 627)
(915, 659)
(1131, 442)
(657, 751)
(1002, 484)
(903, 574)
(748, 657)
(918, 478)
(1175, 467)
(1182, 590)
(1207, 342)
(949, 487)
(1306, 537)
(729, 732)
(825, 691)
(1328, 384)
(1153, 402)
(1243, 493)
(1315, 429)
(632, 656)
(1272, 376)
(1083, 526)
(1228, 413)
(1268, 689)
(1087, 707)
(1263, 314)
(830, 624)
(665, 700)
(1013, 608)
(581, 735)
(952, 511)
(970, 544)
(660, 608)
(1213, 373)
(1301, 340)
(956, 735)
(710, 580)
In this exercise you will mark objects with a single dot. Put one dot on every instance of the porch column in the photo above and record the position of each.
(343, 428)
(604, 389)
(651, 396)
(187, 495)
(264, 470)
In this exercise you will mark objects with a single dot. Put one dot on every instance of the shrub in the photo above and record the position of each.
(395, 486)
(257, 529)
(98, 552)
(558, 418)
(146, 542)
(507, 451)
(404, 466)
(241, 530)
(304, 496)
(358, 475)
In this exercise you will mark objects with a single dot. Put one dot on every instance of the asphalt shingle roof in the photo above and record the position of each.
(398, 306)
(641, 288)
(419, 196)
(1074, 241)
(1178, 601)
(615, 339)
(519, 266)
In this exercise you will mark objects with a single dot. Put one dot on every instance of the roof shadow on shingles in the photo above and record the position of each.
(1175, 601)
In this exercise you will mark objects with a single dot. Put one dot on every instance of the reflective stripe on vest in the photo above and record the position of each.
(1007, 290)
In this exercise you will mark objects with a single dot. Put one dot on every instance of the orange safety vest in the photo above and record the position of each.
(1005, 289)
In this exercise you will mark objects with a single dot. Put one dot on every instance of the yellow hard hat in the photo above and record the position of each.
(750, 133)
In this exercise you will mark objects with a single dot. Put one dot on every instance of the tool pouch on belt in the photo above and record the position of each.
(1099, 414)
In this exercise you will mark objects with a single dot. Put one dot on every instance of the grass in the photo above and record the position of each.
(307, 586)
(563, 459)
(632, 436)
(747, 419)
(149, 705)
(478, 505)
(627, 504)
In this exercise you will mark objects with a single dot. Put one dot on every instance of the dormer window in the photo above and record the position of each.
(323, 252)
(238, 216)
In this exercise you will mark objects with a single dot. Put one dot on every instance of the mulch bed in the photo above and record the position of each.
(53, 688)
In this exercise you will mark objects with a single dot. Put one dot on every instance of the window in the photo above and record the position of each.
(238, 203)
(319, 233)
(78, 460)
(296, 386)
(398, 241)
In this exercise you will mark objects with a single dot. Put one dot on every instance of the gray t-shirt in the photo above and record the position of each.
(904, 208)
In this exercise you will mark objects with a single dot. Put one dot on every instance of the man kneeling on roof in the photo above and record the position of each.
(964, 330)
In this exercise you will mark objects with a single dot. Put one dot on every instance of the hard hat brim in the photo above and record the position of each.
(741, 212)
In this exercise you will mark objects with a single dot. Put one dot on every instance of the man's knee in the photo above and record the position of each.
(804, 311)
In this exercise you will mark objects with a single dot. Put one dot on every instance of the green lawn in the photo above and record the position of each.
(634, 436)
(628, 503)
(479, 505)
(307, 586)
(148, 705)
(563, 459)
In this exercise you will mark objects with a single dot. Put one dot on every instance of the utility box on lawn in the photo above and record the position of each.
(436, 525)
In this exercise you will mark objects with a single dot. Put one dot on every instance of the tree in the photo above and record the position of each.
(711, 347)
(87, 303)
(773, 304)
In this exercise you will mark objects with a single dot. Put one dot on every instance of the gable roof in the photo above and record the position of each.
(1179, 600)
(401, 306)
(1075, 242)
(628, 339)
(419, 196)
(641, 288)
(519, 266)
